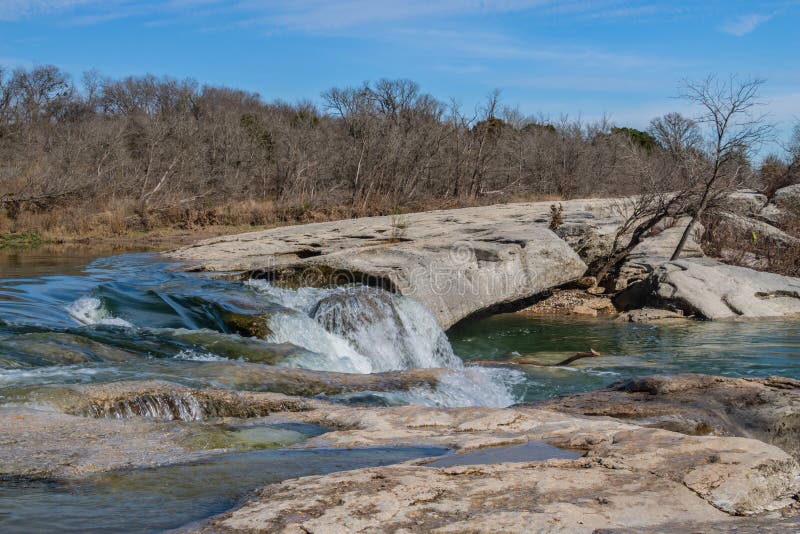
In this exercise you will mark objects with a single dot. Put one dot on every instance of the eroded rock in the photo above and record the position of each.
(713, 290)
(767, 409)
(455, 262)
(787, 197)
(675, 476)
(572, 302)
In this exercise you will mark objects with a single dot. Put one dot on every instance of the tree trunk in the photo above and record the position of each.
(690, 228)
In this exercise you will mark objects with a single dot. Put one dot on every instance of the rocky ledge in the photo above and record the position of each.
(708, 289)
(622, 475)
(767, 409)
(455, 262)
(468, 261)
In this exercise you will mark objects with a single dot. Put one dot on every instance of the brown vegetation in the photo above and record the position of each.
(111, 157)
(739, 245)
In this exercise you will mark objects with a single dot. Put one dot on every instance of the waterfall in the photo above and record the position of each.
(368, 330)
(168, 406)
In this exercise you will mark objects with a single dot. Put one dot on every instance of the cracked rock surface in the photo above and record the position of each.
(713, 290)
(455, 262)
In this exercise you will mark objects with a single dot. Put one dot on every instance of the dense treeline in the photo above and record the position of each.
(119, 155)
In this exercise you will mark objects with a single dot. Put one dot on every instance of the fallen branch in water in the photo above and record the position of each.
(524, 361)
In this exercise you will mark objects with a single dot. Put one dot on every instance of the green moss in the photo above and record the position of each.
(248, 325)
(21, 240)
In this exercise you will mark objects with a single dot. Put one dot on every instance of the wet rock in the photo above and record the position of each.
(584, 310)
(651, 315)
(303, 382)
(626, 469)
(56, 348)
(767, 409)
(350, 309)
(35, 443)
(167, 400)
(248, 349)
(629, 477)
(713, 290)
(160, 400)
(248, 325)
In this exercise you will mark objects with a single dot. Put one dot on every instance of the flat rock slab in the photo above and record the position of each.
(627, 475)
(767, 409)
(455, 262)
(571, 497)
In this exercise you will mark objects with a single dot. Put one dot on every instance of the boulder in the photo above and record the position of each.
(787, 197)
(713, 290)
(745, 202)
(759, 231)
(655, 250)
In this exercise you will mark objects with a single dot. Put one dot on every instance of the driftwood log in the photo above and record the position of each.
(591, 353)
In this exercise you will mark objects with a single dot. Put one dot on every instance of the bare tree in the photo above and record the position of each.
(676, 133)
(658, 197)
(733, 130)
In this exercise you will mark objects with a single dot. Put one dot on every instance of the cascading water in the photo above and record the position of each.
(368, 330)
(132, 318)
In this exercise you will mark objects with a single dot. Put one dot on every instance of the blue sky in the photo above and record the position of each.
(577, 57)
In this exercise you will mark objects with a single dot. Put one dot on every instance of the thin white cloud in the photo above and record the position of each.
(745, 24)
(17, 9)
(320, 15)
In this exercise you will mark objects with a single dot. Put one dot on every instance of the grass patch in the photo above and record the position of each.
(21, 240)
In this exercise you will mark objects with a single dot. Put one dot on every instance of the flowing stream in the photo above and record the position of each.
(136, 317)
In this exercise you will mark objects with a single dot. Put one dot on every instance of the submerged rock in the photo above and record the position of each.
(237, 348)
(651, 315)
(56, 348)
(767, 409)
(713, 290)
(248, 325)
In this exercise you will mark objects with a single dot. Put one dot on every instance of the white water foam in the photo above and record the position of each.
(45, 375)
(198, 356)
(474, 386)
(90, 311)
(368, 330)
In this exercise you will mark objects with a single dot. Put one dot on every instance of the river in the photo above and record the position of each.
(72, 317)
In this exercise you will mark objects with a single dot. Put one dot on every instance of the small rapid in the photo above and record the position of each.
(368, 330)
(154, 322)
